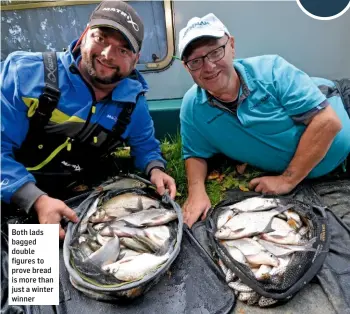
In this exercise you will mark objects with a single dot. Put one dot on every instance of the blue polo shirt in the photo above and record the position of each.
(264, 131)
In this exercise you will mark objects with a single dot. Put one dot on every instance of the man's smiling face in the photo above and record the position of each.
(212, 76)
(106, 56)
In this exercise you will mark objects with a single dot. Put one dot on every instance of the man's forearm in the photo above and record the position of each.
(196, 170)
(313, 146)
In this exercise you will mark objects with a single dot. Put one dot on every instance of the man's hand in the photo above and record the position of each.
(163, 181)
(196, 205)
(51, 211)
(274, 185)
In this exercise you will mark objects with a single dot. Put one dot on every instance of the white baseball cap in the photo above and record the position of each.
(206, 26)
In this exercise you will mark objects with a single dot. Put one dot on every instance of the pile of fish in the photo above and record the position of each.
(127, 236)
(264, 235)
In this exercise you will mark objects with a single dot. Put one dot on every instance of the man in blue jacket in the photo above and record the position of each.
(101, 103)
(262, 111)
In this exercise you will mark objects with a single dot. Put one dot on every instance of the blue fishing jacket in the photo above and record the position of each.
(22, 82)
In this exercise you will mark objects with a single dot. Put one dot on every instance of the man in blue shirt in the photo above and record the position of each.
(98, 83)
(262, 111)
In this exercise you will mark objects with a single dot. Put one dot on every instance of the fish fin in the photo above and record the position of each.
(129, 224)
(121, 256)
(133, 210)
(238, 230)
(139, 203)
(269, 228)
(92, 232)
(292, 223)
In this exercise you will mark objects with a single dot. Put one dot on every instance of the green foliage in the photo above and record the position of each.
(223, 174)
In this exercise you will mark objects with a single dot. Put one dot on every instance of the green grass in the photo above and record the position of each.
(222, 171)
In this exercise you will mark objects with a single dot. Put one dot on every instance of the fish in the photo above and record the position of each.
(102, 240)
(280, 227)
(303, 231)
(120, 229)
(235, 253)
(135, 267)
(239, 286)
(293, 219)
(127, 252)
(105, 214)
(282, 267)
(135, 245)
(121, 183)
(254, 204)
(248, 224)
(107, 254)
(84, 249)
(283, 249)
(254, 252)
(90, 212)
(156, 238)
(230, 276)
(90, 241)
(263, 273)
(150, 217)
(224, 217)
(131, 200)
(291, 238)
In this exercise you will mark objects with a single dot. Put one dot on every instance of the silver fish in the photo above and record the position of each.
(291, 238)
(90, 212)
(293, 219)
(122, 183)
(156, 238)
(150, 217)
(230, 276)
(102, 240)
(135, 267)
(224, 217)
(248, 224)
(110, 213)
(120, 229)
(235, 253)
(254, 252)
(89, 241)
(281, 268)
(85, 249)
(107, 254)
(280, 227)
(282, 249)
(303, 231)
(263, 273)
(255, 204)
(131, 200)
(239, 286)
(135, 245)
(127, 252)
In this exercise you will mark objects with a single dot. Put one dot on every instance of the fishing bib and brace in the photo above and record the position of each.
(342, 89)
(60, 163)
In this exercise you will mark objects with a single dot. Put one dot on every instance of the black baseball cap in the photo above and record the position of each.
(122, 17)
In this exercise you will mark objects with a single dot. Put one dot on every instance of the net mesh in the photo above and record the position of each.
(90, 271)
(297, 266)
